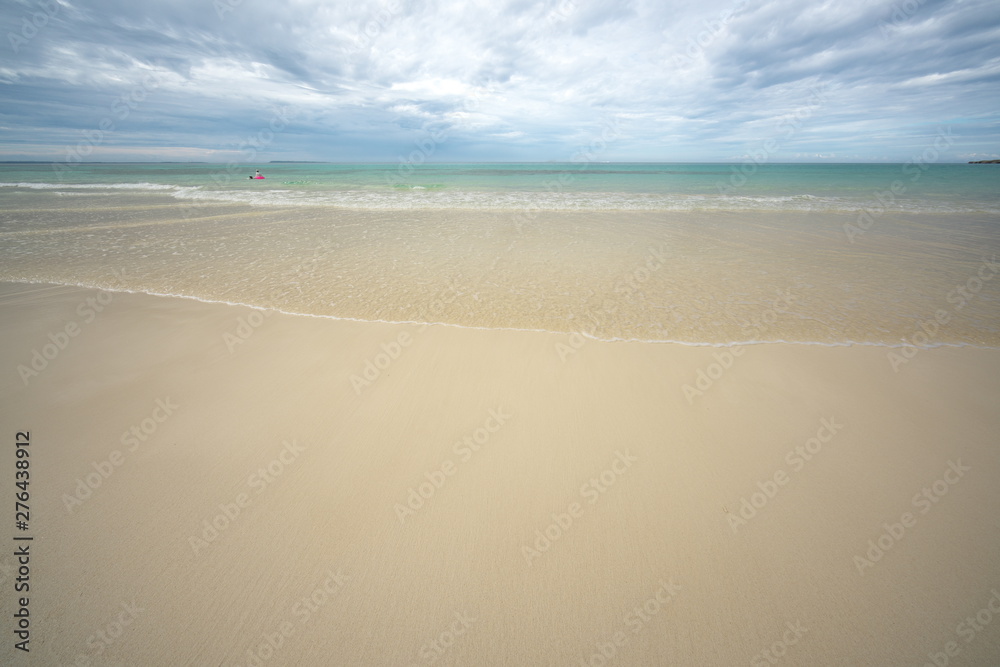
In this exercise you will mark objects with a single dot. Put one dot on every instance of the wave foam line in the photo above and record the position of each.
(431, 199)
(670, 341)
(544, 201)
(94, 186)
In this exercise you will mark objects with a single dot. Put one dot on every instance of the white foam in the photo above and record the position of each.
(91, 186)
(527, 202)
(668, 341)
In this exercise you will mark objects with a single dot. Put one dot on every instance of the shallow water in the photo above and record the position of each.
(776, 269)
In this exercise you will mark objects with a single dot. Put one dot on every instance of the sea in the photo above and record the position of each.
(698, 254)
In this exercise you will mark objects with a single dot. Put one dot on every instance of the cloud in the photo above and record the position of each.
(706, 80)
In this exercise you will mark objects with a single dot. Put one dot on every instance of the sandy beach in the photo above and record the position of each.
(213, 484)
(510, 334)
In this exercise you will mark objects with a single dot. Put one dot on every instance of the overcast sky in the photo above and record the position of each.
(662, 80)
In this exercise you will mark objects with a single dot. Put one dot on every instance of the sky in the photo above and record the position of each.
(499, 80)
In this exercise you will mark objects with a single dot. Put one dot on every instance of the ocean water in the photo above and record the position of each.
(701, 254)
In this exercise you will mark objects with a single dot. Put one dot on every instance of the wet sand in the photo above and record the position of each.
(210, 485)
(657, 276)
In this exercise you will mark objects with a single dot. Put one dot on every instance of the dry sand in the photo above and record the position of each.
(652, 563)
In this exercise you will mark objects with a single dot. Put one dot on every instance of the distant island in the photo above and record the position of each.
(986, 162)
(294, 162)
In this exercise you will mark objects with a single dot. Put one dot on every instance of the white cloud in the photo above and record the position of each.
(692, 79)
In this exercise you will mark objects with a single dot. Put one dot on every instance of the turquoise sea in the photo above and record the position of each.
(702, 254)
(927, 187)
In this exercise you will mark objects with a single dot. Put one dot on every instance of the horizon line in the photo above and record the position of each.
(417, 166)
